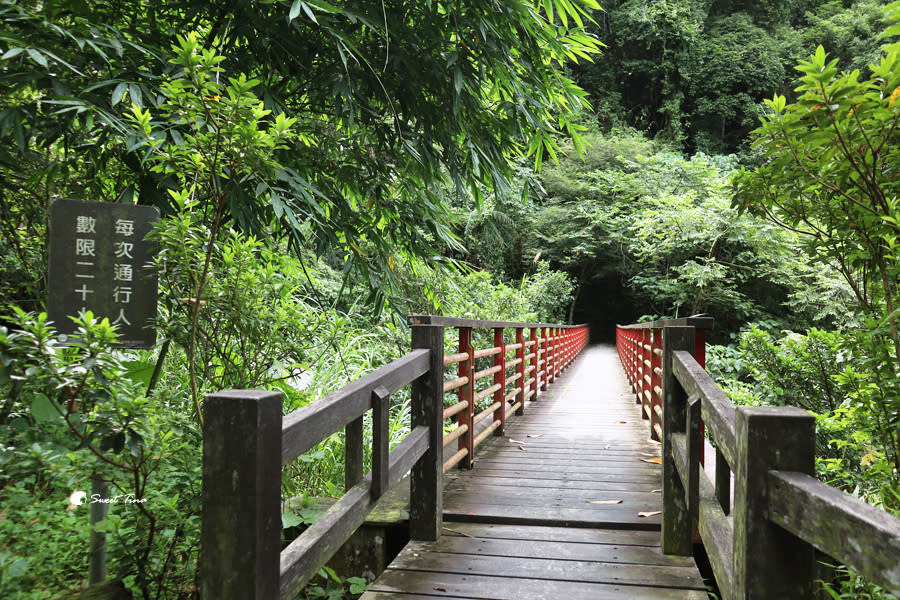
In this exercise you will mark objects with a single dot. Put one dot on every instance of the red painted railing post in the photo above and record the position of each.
(631, 340)
(640, 350)
(548, 366)
(466, 394)
(500, 378)
(551, 356)
(656, 385)
(535, 364)
(546, 357)
(643, 371)
(560, 353)
(520, 369)
(554, 353)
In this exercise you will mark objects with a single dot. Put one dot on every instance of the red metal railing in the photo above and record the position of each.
(494, 382)
(640, 351)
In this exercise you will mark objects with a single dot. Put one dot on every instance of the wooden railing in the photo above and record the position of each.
(522, 360)
(246, 442)
(640, 350)
(761, 542)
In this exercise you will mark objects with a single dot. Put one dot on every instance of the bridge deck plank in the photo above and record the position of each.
(528, 522)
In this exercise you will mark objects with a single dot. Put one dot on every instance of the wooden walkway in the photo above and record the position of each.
(564, 505)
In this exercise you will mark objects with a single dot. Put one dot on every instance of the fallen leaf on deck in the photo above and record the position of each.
(656, 460)
(650, 513)
(657, 491)
(621, 421)
(440, 589)
(512, 441)
(604, 502)
(522, 448)
(607, 447)
(535, 435)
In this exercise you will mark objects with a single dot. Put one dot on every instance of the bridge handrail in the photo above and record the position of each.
(548, 349)
(764, 546)
(640, 351)
(246, 441)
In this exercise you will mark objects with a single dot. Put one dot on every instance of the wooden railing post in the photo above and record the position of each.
(535, 367)
(426, 501)
(466, 394)
(545, 344)
(500, 379)
(769, 562)
(559, 363)
(239, 558)
(522, 388)
(656, 401)
(700, 357)
(644, 370)
(353, 453)
(552, 355)
(677, 527)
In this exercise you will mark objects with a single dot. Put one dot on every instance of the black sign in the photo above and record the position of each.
(101, 261)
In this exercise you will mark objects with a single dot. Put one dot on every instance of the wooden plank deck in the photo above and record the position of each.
(553, 508)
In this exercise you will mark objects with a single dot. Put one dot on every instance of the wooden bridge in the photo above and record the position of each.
(541, 468)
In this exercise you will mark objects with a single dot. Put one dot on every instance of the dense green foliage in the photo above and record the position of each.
(384, 102)
(829, 176)
(695, 72)
(659, 227)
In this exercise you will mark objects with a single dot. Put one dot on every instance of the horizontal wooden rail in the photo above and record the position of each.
(763, 546)
(841, 526)
(309, 425)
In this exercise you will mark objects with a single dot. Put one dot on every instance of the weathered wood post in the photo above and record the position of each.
(426, 502)
(677, 526)
(353, 453)
(769, 562)
(240, 539)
